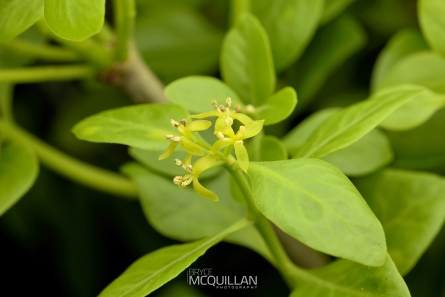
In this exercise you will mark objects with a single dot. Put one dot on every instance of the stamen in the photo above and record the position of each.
(174, 123)
(186, 183)
(242, 129)
(177, 180)
(178, 162)
(239, 142)
(183, 122)
(215, 104)
(250, 108)
(222, 108)
(169, 137)
(237, 108)
(189, 168)
(229, 121)
(228, 102)
(220, 135)
(176, 139)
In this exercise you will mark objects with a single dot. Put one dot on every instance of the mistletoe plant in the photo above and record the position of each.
(222, 159)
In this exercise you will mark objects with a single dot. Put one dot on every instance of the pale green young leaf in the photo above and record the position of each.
(196, 93)
(415, 112)
(366, 155)
(402, 44)
(351, 123)
(411, 207)
(246, 61)
(330, 48)
(424, 68)
(157, 268)
(18, 15)
(333, 8)
(303, 131)
(183, 215)
(277, 107)
(344, 278)
(19, 168)
(141, 126)
(75, 19)
(266, 148)
(314, 202)
(432, 23)
(290, 25)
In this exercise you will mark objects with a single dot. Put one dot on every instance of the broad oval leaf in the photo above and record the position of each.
(314, 202)
(196, 93)
(348, 279)
(157, 268)
(333, 8)
(75, 19)
(140, 126)
(351, 123)
(266, 148)
(290, 25)
(19, 168)
(402, 44)
(411, 207)
(415, 112)
(368, 154)
(182, 215)
(431, 20)
(246, 61)
(18, 15)
(277, 107)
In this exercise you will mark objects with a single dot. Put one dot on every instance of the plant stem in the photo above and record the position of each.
(265, 228)
(68, 166)
(41, 51)
(45, 73)
(239, 7)
(124, 11)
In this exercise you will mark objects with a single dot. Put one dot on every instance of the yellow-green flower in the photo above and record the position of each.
(192, 177)
(187, 140)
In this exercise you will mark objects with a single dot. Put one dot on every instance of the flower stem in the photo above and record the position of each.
(41, 51)
(45, 73)
(83, 173)
(124, 11)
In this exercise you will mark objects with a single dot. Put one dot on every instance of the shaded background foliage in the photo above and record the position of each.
(67, 240)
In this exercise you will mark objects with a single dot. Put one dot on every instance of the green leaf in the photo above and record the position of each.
(290, 25)
(277, 107)
(196, 93)
(177, 41)
(351, 123)
(402, 44)
(431, 20)
(19, 168)
(333, 8)
(18, 15)
(411, 207)
(157, 268)
(246, 61)
(141, 126)
(75, 19)
(366, 155)
(331, 47)
(415, 112)
(266, 148)
(423, 68)
(301, 133)
(182, 215)
(314, 202)
(348, 279)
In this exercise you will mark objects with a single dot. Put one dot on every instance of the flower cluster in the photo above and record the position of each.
(227, 139)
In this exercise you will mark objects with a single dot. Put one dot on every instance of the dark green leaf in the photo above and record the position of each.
(366, 155)
(183, 215)
(18, 15)
(141, 126)
(351, 123)
(196, 93)
(19, 168)
(75, 19)
(431, 19)
(290, 25)
(246, 61)
(277, 107)
(411, 207)
(157, 268)
(348, 279)
(402, 44)
(314, 202)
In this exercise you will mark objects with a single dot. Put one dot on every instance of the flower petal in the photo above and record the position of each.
(204, 115)
(199, 125)
(241, 155)
(252, 129)
(220, 144)
(203, 192)
(169, 151)
(191, 147)
(222, 126)
(242, 118)
(203, 163)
